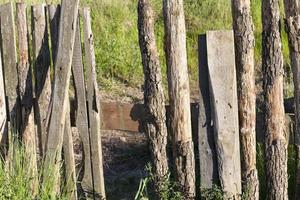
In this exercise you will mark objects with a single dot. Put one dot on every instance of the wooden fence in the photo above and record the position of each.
(29, 52)
(31, 45)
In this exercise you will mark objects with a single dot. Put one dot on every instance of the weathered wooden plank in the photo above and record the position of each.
(10, 66)
(223, 93)
(93, 107)
(81, 112)
(41, 55)
(206, 144)
(3, 116)
(26, 92)
(69, 13)
(69, 160)
(54, 15)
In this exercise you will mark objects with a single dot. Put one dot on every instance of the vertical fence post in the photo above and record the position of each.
(81, 114)
(93, 107)
(67, 26)
(154, 100)
(179, 91)
(207, 148)
(223, 94)
(41, 55)
(10, 67)
(292, 13)
(276, 153)
(26, 92)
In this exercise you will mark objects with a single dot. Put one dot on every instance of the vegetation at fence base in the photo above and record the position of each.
(170, 190)
(16, 179)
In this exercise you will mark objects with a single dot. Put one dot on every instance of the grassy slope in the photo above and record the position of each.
(116, 36)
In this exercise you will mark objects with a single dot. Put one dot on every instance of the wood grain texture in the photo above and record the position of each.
(93, 107)
(26, 92)
(9, 55)
(54, 16)
(41, 56)
(178, 82)
(223, 94)
(154, 100)
(68, 20)
(81, 112)
(69, 159)
(206, 145)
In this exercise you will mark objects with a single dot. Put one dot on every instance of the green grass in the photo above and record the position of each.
(114, 24)
(17, 179)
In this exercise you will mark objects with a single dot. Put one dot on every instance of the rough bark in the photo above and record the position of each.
(155, 120)
(244, 51)
(292, 12)
(275, 140)
(178, 82)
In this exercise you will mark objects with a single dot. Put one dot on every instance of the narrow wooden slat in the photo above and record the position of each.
(26, 95)
(41, 55)
(69, 13)
(69, 160)
(81, 112)
(10, 67)
(68, 151)
(93, 107)
(54, 15)
(206, 145)
(3, 115)
(223, 94)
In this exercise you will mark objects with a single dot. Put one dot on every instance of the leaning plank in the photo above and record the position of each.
(206, 145)
(10, 67)
(26, 92)
(222, 75)
(69, 160)
(69, 12)
(54, 15)
(81, 112)
(41, 55)
(93, 107)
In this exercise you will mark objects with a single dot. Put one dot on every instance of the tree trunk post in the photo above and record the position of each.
(292, 13)
(155, 120)
(244, 53)
(179, 95)
(275, 140)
